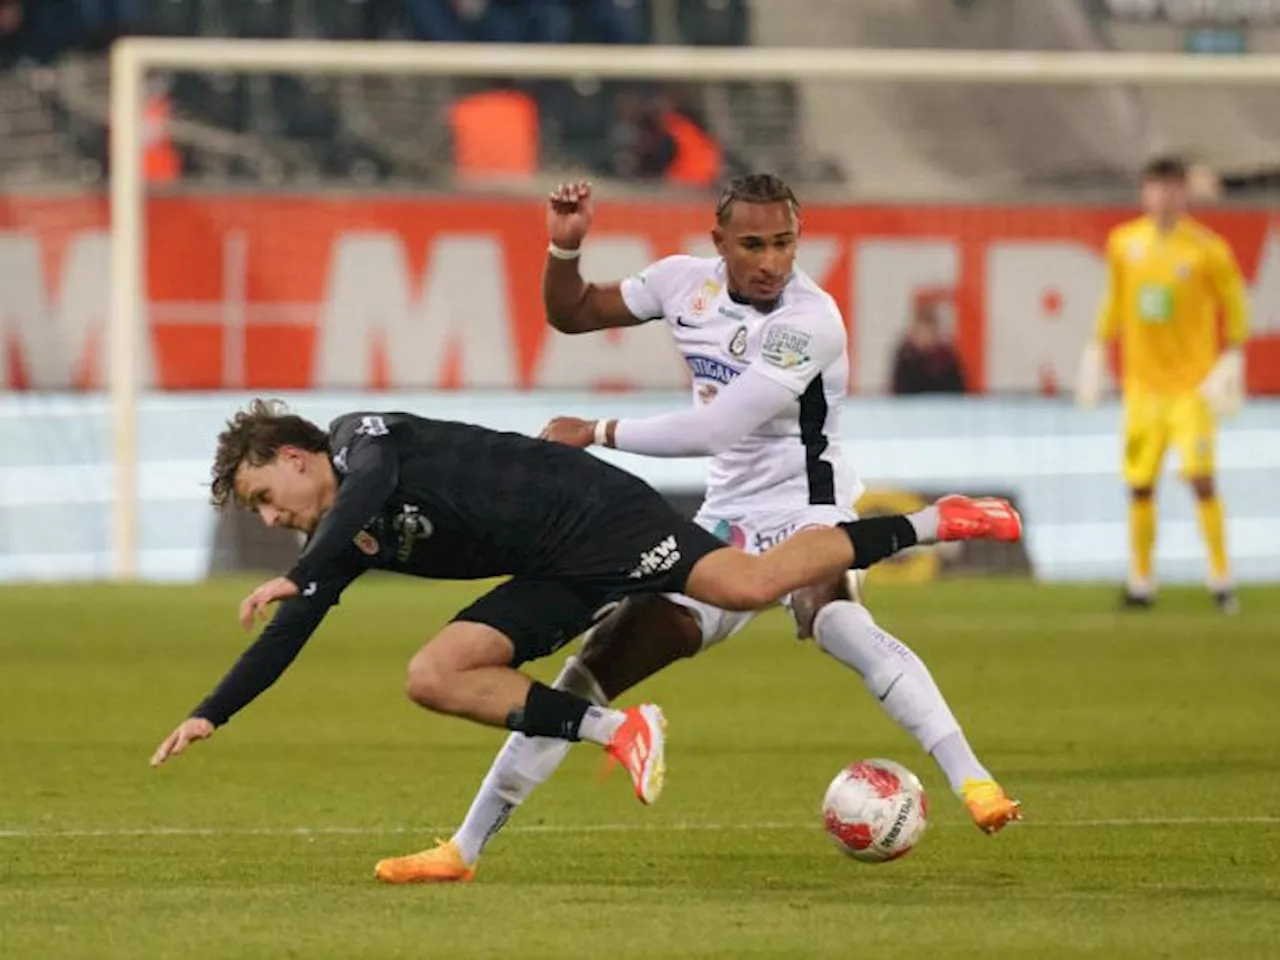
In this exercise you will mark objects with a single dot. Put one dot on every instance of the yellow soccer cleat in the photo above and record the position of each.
(443, 863)
(988, 804)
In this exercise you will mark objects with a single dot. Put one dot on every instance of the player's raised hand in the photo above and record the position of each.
(255, 604)
(570, 431)
(569, 212)
(187, 733)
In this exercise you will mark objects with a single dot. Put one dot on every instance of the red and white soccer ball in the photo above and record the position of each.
(875, 810)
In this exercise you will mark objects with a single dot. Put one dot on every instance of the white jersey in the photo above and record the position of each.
(794, 460)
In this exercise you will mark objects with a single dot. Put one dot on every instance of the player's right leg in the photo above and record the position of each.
(634, 641)
(1145, 439)
(610, 663)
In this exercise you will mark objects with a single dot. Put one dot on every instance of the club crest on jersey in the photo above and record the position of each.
(1183, 270)
(738, 342)
(702, 302)
(709, 368)
(366, 543)
(411, 526)
(1136, 249)
(785, 346)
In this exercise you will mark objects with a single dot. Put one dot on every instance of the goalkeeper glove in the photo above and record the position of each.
(1223, 388)
(1089, 375)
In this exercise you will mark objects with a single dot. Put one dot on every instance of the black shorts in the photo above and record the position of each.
(537, 616)
(642, 546)
(633, 543)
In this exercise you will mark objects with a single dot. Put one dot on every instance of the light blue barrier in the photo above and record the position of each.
(1062, 463)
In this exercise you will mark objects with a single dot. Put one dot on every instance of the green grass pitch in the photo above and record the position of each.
(1143, 745)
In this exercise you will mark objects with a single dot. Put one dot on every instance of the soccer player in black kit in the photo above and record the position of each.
(446, 500)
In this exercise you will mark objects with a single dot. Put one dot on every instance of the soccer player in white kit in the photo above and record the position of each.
(767, 350)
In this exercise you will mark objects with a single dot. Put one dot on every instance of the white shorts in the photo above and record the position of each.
(755, 535)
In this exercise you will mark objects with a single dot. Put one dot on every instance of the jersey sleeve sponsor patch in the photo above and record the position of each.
(786, 346)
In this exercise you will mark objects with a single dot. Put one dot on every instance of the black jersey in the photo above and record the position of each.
(446, 500)
(438, 499)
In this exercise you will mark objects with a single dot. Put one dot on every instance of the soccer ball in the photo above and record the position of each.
(875, 810)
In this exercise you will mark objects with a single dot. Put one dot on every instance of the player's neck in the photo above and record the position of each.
(758, 305)
(328, 480)
(1167, 224)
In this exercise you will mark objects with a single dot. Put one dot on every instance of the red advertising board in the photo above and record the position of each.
(298, 292)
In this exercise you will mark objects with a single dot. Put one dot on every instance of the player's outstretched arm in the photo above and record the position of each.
(572, 304)
(704, 431)
(262, 663)
(795, 349)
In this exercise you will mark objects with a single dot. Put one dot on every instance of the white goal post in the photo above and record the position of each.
(132, 58)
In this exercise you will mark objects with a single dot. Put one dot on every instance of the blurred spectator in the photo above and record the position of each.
(490, 21)
(160, 161)
(12, 30)
(926, 361)
(1207, 185)
(495, 135)
(662, 137)
(10, 19)
(612, 21)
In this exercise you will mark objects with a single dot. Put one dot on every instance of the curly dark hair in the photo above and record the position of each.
(754, 188)
(254, 436)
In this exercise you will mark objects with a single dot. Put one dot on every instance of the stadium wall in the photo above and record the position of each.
(1060, 462)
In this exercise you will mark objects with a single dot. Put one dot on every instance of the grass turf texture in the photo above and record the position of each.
(1143, 746)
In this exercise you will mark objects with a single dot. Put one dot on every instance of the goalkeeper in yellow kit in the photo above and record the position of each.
(1168, 278)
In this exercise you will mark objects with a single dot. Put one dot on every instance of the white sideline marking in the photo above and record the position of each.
(21, 833)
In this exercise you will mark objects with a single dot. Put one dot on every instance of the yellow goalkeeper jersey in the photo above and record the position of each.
(1164, 291)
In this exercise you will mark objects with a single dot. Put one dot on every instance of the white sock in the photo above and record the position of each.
(926, 524)
(521, 764)
(901, 682)
(600, 724)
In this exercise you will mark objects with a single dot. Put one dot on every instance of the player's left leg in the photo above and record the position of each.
(833, 613)
(906, 690)
(733, 580)
(1194, 434)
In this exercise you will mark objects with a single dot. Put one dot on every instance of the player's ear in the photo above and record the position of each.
(718, 238)
(292, 458)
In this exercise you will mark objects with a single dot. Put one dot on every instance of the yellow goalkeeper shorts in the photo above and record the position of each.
(1154, 421)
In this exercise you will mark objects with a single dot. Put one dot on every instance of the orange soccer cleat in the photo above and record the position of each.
(639, 745)
(441, 864)
(988, 804)
(978, 518)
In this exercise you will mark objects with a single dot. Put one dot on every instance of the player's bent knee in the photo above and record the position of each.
(427, 685)
(431, 680)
